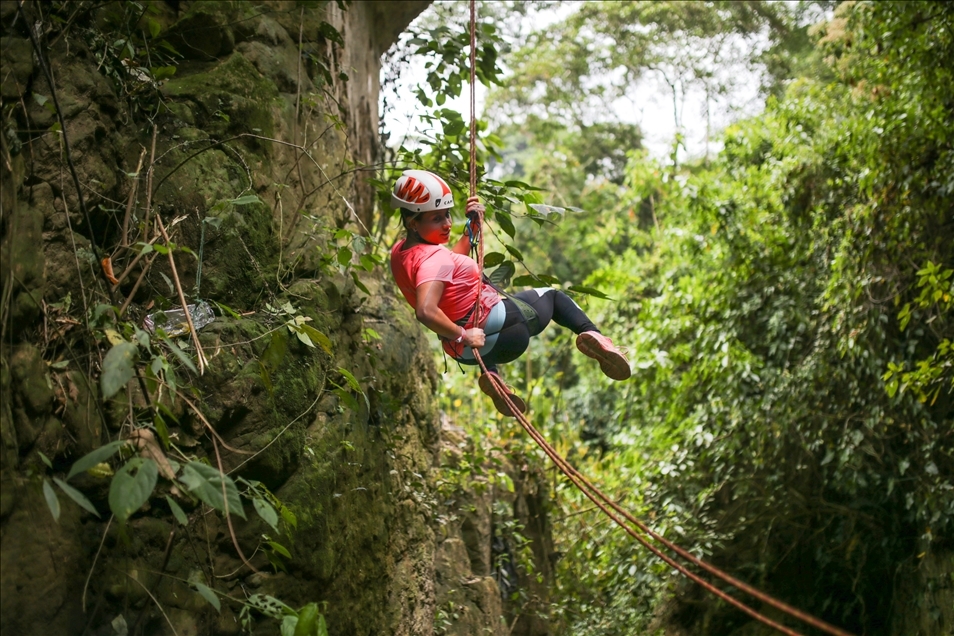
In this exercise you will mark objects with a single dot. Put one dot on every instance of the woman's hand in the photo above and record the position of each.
(430, 315)
(474, 208)
(475, 338)
(472, 228)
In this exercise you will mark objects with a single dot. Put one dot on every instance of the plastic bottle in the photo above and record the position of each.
(173, 321)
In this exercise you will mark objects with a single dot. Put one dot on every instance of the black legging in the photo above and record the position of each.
(515, 334)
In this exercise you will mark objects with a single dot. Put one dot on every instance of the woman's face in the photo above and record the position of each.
(433, 227)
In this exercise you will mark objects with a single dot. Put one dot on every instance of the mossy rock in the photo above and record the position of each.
(231, 98)
(203, 33)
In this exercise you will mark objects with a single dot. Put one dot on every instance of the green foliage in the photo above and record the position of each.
(131, 487)
(446, 150)
(308, 621)
(130, 49)
(208, 484)
(76, 496)
(929, 375)
(787, 307)
(118, 368)
(95, 457)
(762, 318)
(52, 502)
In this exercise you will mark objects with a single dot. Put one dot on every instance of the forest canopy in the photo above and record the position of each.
(786, 301)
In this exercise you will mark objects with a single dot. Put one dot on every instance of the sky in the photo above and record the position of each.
(648, 104)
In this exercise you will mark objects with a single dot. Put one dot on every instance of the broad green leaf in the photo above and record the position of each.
(76, 496)
(177, 511)
(454, 127)
(205, 482)
(288, 625)
(179, 353)
(165, 414)
(51, 501)
(500, 277)
(589, 291)
(275, 352)
(266, 379)
(153, 25)
(493, 259)
(206, 592)
(246, 200)
(514, 252)
(352, 381)
(319, 337)
(225, 309)
(266, 512)
(302, 336)
(513, 183)
(359, 284)
(118, 368)
(142, 337)
(270, 606)
(538, 280)
(367, 262)
(288, 516)
(307, 620)
(545, 210)
(45, 460)
(172, 288)
(164, 44)
(279, 548)
(505, 223)
(344, 256)
(160, 73)
(113, 336)
(348, 399)
(95, 457)
(132, 486)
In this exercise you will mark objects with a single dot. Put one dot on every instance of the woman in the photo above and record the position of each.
(441, 285)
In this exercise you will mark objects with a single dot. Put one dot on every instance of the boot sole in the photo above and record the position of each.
(487, 388)
(612, 364)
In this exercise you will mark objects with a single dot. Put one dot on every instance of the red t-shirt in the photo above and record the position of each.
(425, 262)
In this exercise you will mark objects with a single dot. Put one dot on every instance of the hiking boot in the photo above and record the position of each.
(488, 387)
(597, 346)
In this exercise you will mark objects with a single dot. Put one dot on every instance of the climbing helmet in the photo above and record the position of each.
(421, 191)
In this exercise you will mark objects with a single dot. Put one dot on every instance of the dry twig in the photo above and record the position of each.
(154, 600)
(149, 173)
(132, 199)
(205, 422)
(95, 558)
(228, 518)
(142, 275)
(200, 354)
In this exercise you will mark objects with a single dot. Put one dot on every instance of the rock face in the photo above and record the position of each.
(245, 128)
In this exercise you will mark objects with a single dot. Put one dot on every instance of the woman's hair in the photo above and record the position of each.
(407, 215)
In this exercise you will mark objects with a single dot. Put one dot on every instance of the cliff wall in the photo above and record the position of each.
(248, 132)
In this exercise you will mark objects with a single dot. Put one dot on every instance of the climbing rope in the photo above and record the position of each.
(633, 526)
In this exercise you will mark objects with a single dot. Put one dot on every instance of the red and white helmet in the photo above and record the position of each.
(421, 191)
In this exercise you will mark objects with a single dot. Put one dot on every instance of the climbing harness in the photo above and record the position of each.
(529, 314)
(633, 526)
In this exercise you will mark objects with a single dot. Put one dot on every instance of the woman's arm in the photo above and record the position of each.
(431, 316)
(462, 246)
